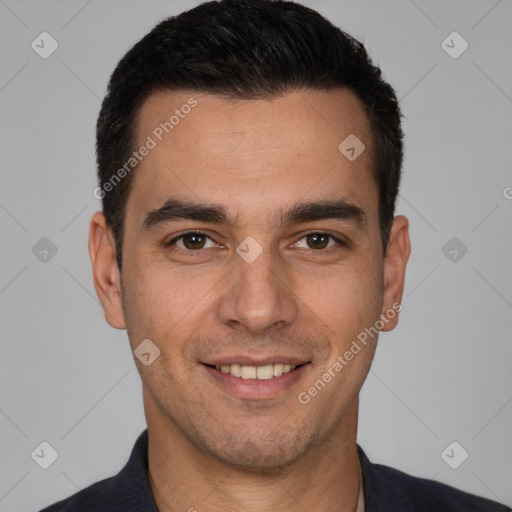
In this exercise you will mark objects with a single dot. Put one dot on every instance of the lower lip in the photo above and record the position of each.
(254, 388)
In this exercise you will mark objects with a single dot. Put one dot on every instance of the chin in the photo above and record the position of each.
(265, 453)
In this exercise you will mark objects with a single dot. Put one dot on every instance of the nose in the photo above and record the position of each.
(258, 296)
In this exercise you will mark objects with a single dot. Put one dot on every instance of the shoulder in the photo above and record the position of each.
(430, 495)
(99, 496)
(127, 491)
(388, 488)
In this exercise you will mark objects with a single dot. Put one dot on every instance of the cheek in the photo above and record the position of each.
(350, 307)
(358, 303)
(164, 306)
(349, 299)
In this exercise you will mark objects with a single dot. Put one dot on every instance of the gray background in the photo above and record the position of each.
(443, 375)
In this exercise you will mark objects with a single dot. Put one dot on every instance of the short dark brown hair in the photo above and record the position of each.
(244, 49)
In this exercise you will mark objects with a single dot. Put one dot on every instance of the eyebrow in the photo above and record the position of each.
(174, 209)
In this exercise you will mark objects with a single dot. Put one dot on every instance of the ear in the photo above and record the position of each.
(395, 262)
(107, 279)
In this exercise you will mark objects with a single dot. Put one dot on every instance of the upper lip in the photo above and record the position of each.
(245, 360)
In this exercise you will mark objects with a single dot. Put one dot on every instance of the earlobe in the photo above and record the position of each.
(107, 280)
(395, 263)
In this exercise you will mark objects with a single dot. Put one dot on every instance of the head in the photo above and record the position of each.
(230, 120)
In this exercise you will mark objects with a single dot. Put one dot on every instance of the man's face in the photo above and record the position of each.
(271, 287)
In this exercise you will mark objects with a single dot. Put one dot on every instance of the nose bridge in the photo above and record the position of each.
(257, 295)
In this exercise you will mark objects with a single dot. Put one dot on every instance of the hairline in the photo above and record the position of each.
(134, 132)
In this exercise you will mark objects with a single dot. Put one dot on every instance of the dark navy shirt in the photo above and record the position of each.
(385, 490)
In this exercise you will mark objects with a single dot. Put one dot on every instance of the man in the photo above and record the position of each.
(249, 158)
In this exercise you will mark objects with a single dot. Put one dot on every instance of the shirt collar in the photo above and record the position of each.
(132, 481)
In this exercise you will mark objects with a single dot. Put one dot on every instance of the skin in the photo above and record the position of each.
(208, 449)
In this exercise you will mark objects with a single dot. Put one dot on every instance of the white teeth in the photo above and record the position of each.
(248, 372)
(278, 370)
(257, 372)
(236, 370)
(265, 372)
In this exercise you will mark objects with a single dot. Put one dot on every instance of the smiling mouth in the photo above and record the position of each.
(265, 372)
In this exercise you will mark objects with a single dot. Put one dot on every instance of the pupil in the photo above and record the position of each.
(194, 241)
(315, 238)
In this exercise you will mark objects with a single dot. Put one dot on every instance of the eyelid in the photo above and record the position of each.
(185, 233)
(340, 242)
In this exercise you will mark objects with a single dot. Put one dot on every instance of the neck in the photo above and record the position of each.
(184, 477)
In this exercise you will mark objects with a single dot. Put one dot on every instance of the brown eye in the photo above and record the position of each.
(318, 240)
(194, 241)
(191, 241)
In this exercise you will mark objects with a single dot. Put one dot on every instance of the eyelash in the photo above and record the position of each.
(172, 242)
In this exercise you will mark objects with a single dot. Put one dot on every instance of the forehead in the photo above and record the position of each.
(259, 153)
